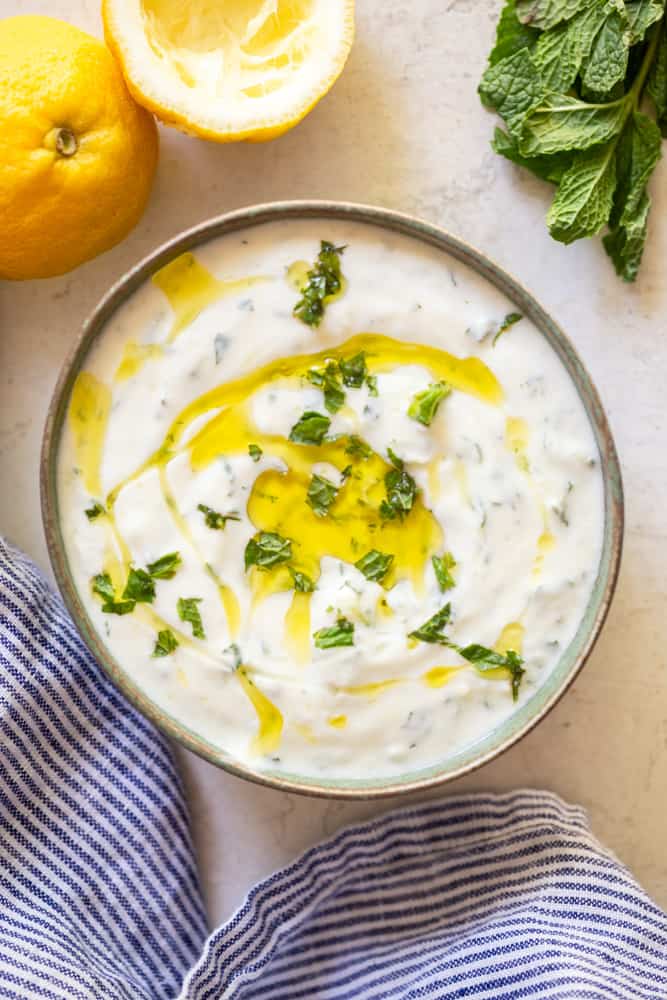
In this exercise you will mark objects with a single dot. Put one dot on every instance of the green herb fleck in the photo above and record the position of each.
(302, 582)
(189, 612)
(327, 380)
(166, 643)
(234, 652)
(321, 494)
(165, 567)
(372, 383)
(324, 280)
(509, 321)
(424, 405)
(375, 565)
(443, 565)
(92, 513)
(354, 370)
(487, 659)
(266, 550)
(214, 519)
(103, 587)
(255, 452)
(357, 448)
(340, 634)
(140, 587)
(401, 490)
(433, 629)
(310, 428)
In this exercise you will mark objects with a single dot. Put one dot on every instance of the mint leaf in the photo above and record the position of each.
(165, 643)
(139, 587)
(103, 587)
(372, 385)
(92, 513)
(401, 491)
(375, 565)
(510, 320)
(340, 634)
(189, 612)
(625, 244)
(321, 494)
(547, 168)
(487, 659)
(640, 15)
(424, 405)
(357, 448)
(442, 567)
(324, 280)
(512, 86)
(327, 380)
(608, 59)
(213, 519)
(353, 370)
(560, 52)
(165, 567)
(559, 123)
(585, 195)
(511, 35)
(302, 582)
(546, 14)
(267, 549)
(310, 428)
(255, 452)
(656, 85)
(638, 152)
(433, 629)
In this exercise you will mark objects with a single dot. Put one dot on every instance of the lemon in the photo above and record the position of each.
(77, 154)
(230, 69)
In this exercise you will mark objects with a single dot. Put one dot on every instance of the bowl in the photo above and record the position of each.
(543, 699)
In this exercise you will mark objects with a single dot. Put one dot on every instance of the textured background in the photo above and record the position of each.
(403, 128)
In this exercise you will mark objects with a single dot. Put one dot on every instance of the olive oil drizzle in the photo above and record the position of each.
(277, 499)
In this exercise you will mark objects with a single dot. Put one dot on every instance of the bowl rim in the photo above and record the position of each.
(442, 240)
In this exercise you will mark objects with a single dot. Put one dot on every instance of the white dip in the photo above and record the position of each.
(504, 481)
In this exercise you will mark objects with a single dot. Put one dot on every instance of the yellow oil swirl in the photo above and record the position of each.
(269, 717)
(337, 721)
(517, 437)
(134, 357)
(437, 677)
(278, 498)
(89, 410)
(190, 288)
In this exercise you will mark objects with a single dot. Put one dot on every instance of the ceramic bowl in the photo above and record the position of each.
(545, 697)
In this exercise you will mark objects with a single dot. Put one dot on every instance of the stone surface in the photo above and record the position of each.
(403, 128)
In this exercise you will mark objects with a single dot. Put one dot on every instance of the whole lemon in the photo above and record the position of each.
(77, 154)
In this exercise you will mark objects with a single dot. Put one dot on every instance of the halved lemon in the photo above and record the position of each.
(230, 69)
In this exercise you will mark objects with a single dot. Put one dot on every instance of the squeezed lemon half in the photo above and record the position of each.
(230, 69)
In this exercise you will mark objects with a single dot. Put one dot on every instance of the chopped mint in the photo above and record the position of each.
(310, 428)
(442, 566)
(340, 634)
(321, 494)
(324, 280)
(214, 519)
(266, 550)
(92, 513)
(375, 565)
(255, 452)
(424, 405)
(165, 567)
(302, 582)
(189, 612)
(140, 587)
(165, 643)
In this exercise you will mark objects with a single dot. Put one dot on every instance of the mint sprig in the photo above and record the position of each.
(568, 78)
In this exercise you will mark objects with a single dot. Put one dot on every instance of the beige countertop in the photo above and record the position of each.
(404, 128)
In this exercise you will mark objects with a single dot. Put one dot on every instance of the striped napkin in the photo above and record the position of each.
(484, 896)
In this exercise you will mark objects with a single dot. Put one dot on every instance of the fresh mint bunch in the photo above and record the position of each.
(574, 81)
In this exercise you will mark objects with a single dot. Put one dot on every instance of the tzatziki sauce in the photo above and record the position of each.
(329, 500)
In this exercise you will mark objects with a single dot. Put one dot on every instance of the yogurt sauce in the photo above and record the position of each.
(208, 359)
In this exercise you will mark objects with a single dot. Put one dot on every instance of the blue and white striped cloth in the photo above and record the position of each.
(486, 896)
